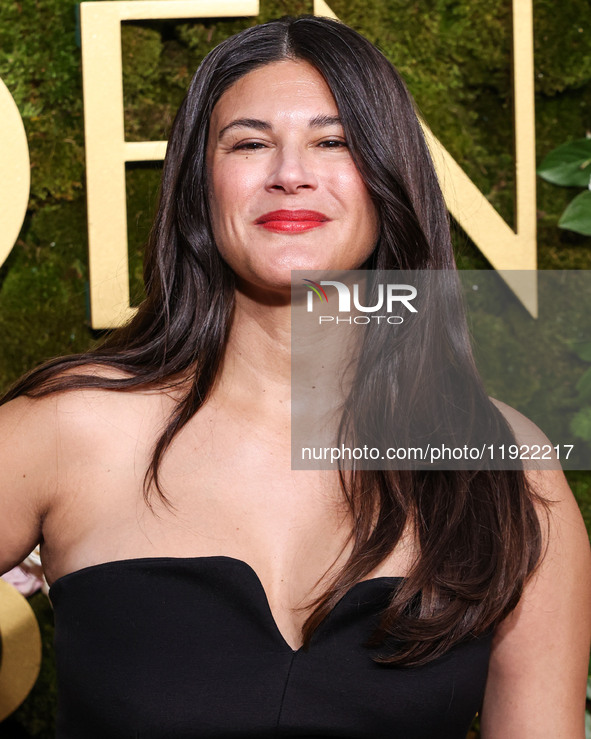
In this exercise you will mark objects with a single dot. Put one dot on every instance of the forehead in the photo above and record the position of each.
(287, 90)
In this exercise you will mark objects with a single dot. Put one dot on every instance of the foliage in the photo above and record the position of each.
(569, 165)
(581, 422)
(40, 65)
(554, 32)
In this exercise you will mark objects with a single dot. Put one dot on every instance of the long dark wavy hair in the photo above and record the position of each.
(478, 533)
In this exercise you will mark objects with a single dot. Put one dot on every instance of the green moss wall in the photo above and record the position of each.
(455, 57)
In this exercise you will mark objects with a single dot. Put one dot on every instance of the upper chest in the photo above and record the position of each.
(228, 482)
(230, 491)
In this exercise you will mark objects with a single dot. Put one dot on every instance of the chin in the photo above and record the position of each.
(278, 276)
(268, 290)
(275, 276)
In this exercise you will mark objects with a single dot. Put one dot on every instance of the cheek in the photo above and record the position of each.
(350, 185)
(367, 211)
(361, 205)
(234, 185)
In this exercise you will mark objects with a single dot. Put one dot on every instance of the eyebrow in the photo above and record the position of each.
(318, 121)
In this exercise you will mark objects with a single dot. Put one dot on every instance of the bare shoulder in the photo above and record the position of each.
(525, 430)
(32, 435)
(565, 536)
(538, 668)
(97, 403)
(26, 424)
(43, 434)
(28, 468)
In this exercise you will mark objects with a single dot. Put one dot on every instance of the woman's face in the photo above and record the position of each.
(285, 193)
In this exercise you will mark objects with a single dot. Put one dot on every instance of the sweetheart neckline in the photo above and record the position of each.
(219, 558)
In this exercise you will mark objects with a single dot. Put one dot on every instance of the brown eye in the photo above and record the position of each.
(249, 146)
(333, 144)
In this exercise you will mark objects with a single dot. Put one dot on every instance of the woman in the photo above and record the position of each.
(203, 588)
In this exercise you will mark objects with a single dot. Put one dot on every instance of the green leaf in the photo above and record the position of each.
(568, 164)
(580, 424)
(582, 349)
(584, 386)
(577, 215)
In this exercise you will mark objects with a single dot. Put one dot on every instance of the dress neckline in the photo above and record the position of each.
(203, 558)
(232, 561)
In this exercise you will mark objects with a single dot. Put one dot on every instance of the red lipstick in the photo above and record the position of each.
(291, 221)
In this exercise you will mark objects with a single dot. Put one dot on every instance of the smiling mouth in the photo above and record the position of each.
(292, 221)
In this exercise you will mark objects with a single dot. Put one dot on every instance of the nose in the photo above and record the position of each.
(292, 170)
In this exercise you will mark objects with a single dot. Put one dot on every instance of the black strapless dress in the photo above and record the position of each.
(185, 648)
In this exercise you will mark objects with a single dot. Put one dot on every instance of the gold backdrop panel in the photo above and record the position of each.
(21, 649)
(16, 172)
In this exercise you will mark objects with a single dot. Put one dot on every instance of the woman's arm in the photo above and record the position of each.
(538, 669)
(28, 464)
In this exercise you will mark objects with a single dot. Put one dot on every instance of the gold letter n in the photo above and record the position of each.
(512, 252)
